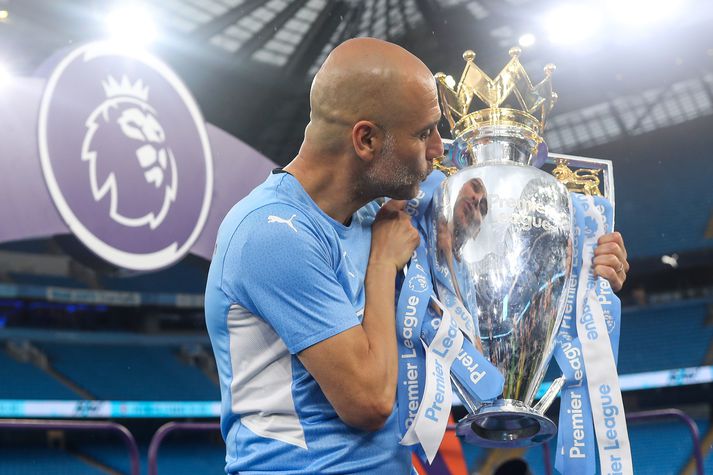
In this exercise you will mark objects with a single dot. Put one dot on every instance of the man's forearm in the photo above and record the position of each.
(380, 327)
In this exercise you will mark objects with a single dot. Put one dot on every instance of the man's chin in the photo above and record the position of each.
(410, 192)
(406, 191)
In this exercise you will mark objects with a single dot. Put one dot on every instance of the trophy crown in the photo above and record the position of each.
(530, 112)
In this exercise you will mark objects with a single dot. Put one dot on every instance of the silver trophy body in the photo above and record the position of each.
(501, 243)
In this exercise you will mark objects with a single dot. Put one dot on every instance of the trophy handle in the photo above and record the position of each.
(546, 401)
(593, 165)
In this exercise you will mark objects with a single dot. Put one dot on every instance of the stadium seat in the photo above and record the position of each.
(26, 381)
(131, 372)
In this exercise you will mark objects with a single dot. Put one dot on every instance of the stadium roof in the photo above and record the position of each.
(624, 67)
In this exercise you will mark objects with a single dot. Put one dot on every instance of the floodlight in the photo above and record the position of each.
(131, 25)
(526, 40)
(637, 13)
(572, 24)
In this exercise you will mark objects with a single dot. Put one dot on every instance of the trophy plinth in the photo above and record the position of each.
(507, 423)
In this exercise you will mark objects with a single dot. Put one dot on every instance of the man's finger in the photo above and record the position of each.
(611, 248)
(611, 237)
(608, 260)
(614, 238)
(616, 280)
(394, 205)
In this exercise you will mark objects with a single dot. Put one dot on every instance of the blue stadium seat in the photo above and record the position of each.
(184, 277)
(28, 460)
(664, 337)
(664, 201)
(662, 447)
(661, 337)
(26, 381)
(131, 372)
(174, 457)
(656, 448)
(190, 458)
(113, 455)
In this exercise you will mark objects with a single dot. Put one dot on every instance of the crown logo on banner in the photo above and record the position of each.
(125, 88)
(529, 114)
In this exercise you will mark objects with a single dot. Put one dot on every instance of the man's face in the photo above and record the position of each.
(470, 208)
(406, 157)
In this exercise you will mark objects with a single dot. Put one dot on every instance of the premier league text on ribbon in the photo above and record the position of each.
(410, 322)
(471, 366)
(434, 412)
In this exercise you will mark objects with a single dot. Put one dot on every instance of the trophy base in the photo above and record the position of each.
(506, 423)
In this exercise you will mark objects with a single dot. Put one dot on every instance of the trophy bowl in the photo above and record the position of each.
(501, 242)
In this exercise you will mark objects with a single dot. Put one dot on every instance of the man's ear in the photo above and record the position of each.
(367, 140)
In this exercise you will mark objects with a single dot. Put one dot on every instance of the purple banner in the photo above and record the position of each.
(113, 149)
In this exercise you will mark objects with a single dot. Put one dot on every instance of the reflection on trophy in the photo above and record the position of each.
(501, 242)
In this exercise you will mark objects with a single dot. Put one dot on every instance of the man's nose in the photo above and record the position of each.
(435, 146)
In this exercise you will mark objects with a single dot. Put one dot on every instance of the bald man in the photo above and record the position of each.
(300, 295)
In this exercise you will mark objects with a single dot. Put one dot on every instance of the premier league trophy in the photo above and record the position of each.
(500, 243)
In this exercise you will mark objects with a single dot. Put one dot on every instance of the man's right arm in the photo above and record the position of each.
(357, 369)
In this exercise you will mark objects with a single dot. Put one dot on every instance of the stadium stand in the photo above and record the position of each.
(46, 280)
(184, 277)
(662, 447)
(130, 372)
(662, 191)
(657, 448)
(179, 458)
(665, 336)
(111, 455)
(18, 460)
(189, 458)
(24, 380)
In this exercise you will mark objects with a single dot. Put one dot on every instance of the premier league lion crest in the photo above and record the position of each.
(127, 114)
(125, 156)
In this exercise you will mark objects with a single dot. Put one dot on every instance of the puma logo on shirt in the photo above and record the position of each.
(277, 219)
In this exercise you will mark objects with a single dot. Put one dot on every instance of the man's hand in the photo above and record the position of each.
(393, 237)
(357, 368)
(610, 260)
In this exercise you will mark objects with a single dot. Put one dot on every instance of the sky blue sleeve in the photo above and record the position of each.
(280, 267)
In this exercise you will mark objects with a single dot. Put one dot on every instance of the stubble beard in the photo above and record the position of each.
(390, 177)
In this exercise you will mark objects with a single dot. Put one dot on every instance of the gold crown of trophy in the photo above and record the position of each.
(501, 239)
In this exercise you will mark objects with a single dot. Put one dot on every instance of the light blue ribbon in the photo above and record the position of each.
(576, 442)
(417, 321)
(411, 307)
(410, 312)
(474, 372)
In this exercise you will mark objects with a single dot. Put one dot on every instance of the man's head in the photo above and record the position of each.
(468, 212)
(376, 105)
